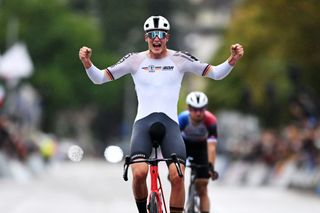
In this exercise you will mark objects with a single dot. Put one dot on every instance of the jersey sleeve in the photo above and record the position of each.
(121, 68)
(189, 63)
(183, 119)
(211, 124)
(98, 76)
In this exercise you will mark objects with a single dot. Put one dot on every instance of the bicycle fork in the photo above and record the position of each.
(154, 174)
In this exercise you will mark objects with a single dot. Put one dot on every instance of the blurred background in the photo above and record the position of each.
(267, 108)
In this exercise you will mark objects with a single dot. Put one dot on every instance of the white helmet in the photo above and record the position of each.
(197, 99)
(156, 23)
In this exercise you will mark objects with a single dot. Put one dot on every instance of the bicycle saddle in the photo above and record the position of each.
(157, 132)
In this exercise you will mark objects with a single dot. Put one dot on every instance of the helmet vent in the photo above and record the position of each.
(197, 99)
(156, 22)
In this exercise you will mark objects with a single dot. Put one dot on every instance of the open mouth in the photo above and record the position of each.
(156, 45)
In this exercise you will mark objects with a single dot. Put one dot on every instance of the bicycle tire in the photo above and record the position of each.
(153, 204)
(196, 202)
(193, 205)
(190, 208)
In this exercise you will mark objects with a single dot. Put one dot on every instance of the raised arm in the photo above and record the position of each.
(85, 56)
(99, 76)
(192, 64)
(222, 70)
(96, 75)
(236, 53)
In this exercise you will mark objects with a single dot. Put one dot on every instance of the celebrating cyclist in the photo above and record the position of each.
(157, 74)
(199, 131)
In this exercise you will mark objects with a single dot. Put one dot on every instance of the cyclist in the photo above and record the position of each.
(157, 74)
(199, 131)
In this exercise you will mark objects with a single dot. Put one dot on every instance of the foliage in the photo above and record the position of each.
(123, 24)
(54, 35)
(276, 35)
(55, 30)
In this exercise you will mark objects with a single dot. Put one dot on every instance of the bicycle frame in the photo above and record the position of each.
(192, 205)
(193, 200)
(154, 178)
(154, 175)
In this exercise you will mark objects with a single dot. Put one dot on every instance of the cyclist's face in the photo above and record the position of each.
(196, 114)
(157, 42)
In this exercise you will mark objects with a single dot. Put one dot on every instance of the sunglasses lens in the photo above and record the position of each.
(154, 34)
(162, 35)
(196, 109)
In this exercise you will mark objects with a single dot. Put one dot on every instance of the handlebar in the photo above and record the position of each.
(125, 167)
(196, 166)
(151, 161)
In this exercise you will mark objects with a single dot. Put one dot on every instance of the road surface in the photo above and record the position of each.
(97, 187)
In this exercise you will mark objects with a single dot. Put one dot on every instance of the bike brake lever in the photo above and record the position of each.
(125, 168)
(176, 163)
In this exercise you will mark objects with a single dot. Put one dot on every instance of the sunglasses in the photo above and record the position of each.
(154, 34)
(196, 109)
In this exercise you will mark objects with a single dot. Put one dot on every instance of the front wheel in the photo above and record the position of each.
(193, 202)
(154, 204)
(193, 206)
(190, 208)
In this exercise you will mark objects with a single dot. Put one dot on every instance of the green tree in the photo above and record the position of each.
(275, 35)
(122, 23)
(54, 34)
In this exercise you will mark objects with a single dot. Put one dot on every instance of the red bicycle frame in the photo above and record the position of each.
(157, 131)
(154, 175)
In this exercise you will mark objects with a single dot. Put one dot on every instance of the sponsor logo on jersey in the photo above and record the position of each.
(133, 157)
(168, 68)
(152, 68)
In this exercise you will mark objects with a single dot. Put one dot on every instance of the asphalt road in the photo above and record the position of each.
(97, 187)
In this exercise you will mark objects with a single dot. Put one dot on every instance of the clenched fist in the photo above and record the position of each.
(236, 53)
(85, 55)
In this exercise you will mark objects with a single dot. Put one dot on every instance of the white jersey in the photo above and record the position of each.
(157, 81)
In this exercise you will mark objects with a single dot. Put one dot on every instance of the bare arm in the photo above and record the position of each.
(212, 153)
(212, 158)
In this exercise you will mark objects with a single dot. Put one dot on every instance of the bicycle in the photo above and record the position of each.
(156, 196)
(193, 200)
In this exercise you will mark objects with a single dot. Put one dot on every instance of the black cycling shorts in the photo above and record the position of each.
(198, 151)
(141, 145)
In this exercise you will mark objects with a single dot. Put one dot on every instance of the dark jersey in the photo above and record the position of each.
(203, 131)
